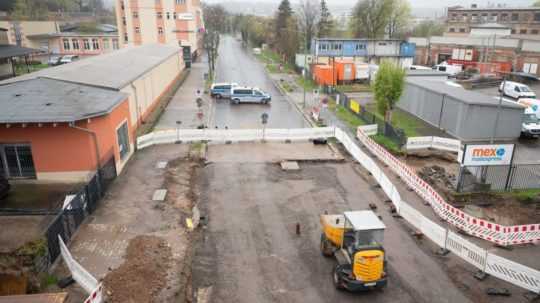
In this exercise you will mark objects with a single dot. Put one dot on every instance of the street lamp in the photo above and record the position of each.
(494, 133)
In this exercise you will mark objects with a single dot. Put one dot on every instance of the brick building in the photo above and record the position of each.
(522, 55)
(178, 22)
(524, 22)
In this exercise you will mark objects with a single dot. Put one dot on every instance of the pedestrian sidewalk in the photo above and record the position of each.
(183, 105)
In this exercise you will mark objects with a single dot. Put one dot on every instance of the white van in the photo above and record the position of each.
(451, 70)
(530, 126)
(516, 90)
(249, 95)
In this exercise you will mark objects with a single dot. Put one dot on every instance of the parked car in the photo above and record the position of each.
(4, 187)
(54, 60)
(221, 90)
(530, 126)
(249, 95)
(516, 90)
(532, 104)
(68, 59)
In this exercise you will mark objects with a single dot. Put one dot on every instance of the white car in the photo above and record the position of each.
(516, 90)
(450, 69)
(68, 59)
(532, 104)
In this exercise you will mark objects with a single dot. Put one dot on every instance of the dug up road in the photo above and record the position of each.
(249, 251)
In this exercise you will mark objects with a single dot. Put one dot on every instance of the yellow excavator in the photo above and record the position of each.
(355, 239)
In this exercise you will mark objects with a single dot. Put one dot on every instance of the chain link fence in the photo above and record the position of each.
(500, 177)
(395, 134)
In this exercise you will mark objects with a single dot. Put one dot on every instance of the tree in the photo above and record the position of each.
(399, 18)
(326, 24)
(388, 87)
(371, 18)
(282, 24)
(309, 18)
(427, 29)
(215, 21)
(29, 10)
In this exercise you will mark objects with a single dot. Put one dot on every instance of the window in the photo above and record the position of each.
(452, 30)
(86, 44)
(159, 15)
(66, 44)
(454, 16)
(474, 17)
(504, 17)
(180, 1)
(523, 31)
(115, 43)
(16, 161)
(123, 140)
(106, 44)
(95, 43)
(160, 30)
(174, 15)
(137, 30)
(464, 16)
(124, 21)
(168, 15)
(537, 17)
(135, 15)
(461, 30)
(75, 43)
(494, 17)
(513, 31)
(122, 5)
(534, 32)
(126, 37)
(515, 17)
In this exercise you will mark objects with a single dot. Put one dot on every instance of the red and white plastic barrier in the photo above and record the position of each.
(96, 296)
(496, 233)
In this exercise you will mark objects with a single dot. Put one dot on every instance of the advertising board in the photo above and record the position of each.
(487, 154)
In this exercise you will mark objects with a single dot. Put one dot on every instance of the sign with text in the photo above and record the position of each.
(488, 154)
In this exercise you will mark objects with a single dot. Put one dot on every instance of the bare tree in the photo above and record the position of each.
(399, 18)
(309, 19)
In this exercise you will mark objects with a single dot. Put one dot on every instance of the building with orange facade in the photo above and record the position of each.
(64, 122)
(54, 130)
(178, 22)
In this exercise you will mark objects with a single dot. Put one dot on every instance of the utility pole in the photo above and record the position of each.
(494, 133)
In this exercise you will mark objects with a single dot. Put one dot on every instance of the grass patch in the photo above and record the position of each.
(270, 57)
(348, 117)
(390, 145)
(287, 86)
(351, 88)
(22, 69)
(48, 280)
(308, 84)
(400, 119)
(273, 69)
(332, 104)
(525, 195)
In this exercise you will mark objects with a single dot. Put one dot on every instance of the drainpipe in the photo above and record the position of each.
(137, 109)
(94, 138)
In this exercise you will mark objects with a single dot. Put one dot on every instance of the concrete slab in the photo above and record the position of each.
(161, 164)
(289, 165)
(159, 195)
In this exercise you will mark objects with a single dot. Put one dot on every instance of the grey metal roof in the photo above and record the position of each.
(113, 70)
(364, 220)
(522, 8)
(425, 72)
(46, 100)
(458, 93)
(8, 51)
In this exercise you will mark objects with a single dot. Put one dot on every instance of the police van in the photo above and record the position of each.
(221, 90)
(249, 95)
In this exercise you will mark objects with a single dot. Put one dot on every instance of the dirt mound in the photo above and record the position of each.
(143, 274)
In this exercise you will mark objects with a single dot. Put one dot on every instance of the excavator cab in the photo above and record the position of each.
(355, 240)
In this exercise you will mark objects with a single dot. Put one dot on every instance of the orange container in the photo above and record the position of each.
(345, 70)
(322, 74)
(494, 67)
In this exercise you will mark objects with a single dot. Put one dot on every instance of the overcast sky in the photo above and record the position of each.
(420, 3)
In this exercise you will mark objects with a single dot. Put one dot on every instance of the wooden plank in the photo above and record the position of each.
(38, 298)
